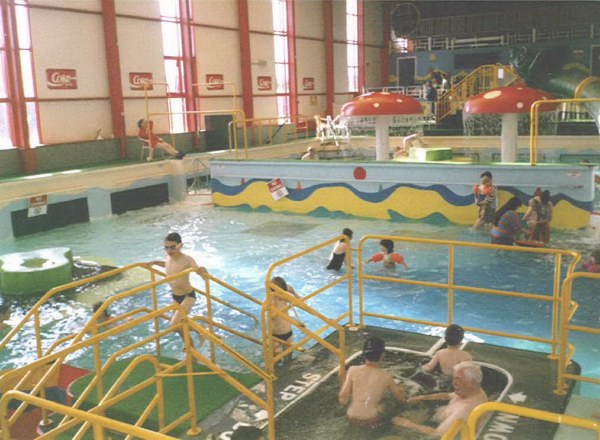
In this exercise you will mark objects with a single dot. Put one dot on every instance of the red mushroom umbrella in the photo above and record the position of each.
(508, 101)
(382, 106)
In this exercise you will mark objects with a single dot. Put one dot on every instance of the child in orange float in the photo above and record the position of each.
(387, 255)
(481, 192)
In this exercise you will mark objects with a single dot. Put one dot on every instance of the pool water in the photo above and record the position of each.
(239, 246)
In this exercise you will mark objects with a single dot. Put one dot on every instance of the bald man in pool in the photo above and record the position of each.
(467, 395)
(367, 385)
(182, 291)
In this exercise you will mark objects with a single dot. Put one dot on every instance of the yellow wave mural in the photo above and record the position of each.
(411, 203)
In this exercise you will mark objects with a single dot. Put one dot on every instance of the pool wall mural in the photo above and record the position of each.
(392, 191)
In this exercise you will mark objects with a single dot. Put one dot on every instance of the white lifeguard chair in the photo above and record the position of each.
(146, 150)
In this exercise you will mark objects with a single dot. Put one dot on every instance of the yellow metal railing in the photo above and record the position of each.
(98, 422)
(521, 411)
(263, 130)
(535, 121)
(566, 350)
(483, 78)
(269, 311)
(451, 287)
(50, 359)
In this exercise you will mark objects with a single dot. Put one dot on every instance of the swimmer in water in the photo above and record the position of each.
(338, 254)
(387, 255)
(367, 384)
(447, 358)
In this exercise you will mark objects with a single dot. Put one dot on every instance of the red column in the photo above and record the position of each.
(361, 45)
(246, 62)
(189, 63)
(17, 108)
(291, 28)
(329, 66)
(385, 51)
(113, 65)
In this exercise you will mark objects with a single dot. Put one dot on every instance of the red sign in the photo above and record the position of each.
(137, 80)
(308, 83)
(214, 81)
(264, 82)
(37, 206)
(277, 189)
(61, 78)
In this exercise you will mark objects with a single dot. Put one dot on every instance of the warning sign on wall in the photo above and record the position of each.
(277, 189)
(38, 205)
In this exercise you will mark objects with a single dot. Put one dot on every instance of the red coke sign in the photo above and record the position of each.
(137, 81)
(264, 82)
(214, 81)
(61, 78)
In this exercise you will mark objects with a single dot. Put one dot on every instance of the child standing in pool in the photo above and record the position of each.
(387, 255)
(485, 197)
(281, 328)
(181, 290)
(367, 385)
(338, 254)
(447, 358)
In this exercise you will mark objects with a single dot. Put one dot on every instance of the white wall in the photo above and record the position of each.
(69, 34)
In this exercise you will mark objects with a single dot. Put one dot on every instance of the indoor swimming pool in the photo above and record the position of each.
(238, 247)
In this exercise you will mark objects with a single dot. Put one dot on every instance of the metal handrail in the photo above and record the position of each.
(558, 301)
(99, 422)
(566, 351)
(534, 114)
(262, 123)
(268, 312)
(536, 414)
(483, 78)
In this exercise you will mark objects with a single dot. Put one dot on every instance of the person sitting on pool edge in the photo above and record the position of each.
(387, 255)
(338, 254)
(367, 384)
(281, 328)
(467, 395)
(447, 358)
(181, 290)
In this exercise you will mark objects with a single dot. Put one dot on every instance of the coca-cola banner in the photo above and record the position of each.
(308, 83)
(214, 81)
(61, 78)
(264, 82)
(137, 80)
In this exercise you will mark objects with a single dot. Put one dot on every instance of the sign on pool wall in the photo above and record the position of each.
(277, 189)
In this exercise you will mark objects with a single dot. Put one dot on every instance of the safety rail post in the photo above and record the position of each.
(209, 315)
(556, 305)
(452, 287)
(189, 366)
(534, 122)
(536, 414)
(450, 284)
(155, 307)
(569, 307)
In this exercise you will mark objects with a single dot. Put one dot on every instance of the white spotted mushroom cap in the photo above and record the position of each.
(382, 103)
(515, 99)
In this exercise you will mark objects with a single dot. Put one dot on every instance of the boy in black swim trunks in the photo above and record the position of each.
(176, 261)
(280, 327)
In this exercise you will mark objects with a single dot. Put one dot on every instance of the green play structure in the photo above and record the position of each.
(24, 273)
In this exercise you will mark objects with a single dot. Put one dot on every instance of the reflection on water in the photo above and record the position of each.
(328, 419)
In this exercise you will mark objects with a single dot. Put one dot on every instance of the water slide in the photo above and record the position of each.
(549, 69)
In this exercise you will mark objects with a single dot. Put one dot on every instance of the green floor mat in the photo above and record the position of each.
(211, 393)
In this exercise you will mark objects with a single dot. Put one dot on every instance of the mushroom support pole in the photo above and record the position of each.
(382, 135)
(509, 137)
